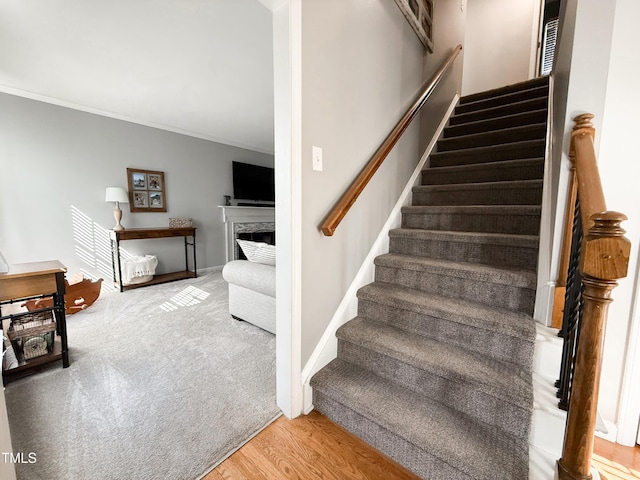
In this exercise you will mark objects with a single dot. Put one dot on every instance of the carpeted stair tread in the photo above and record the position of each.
(498, 321)
(526, 241)
(470, 104)
(509, 219)
(471, 271)
(500, 111)
(495, 137)
(432, 440)
(504, 381)
(489, 125)
(514, 192)
(523, 169)
(494, 393)
(488, 154)
(533, 210)
(514, 87)
(498, 249)
(481, 185)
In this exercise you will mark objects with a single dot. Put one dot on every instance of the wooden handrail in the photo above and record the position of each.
(604, 258)
(584, 155)
(349, 197)
(565, 252)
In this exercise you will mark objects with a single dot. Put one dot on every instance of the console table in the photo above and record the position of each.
(149, 233)
(26, 281)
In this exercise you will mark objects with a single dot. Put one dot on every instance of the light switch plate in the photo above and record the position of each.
(317, 158)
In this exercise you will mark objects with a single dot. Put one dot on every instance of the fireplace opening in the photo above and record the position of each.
(266, 237)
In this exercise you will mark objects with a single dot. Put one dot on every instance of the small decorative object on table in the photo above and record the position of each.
(180, 223)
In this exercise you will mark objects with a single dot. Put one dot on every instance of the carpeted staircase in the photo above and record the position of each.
(435, 371)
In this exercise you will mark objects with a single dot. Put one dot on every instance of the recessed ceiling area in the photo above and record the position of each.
(199, 67)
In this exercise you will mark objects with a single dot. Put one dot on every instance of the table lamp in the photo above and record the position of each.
(117, 195)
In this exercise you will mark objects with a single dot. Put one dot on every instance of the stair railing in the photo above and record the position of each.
(338, 212)
(600, 256)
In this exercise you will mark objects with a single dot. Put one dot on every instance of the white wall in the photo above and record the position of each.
(54, 160)
(594, 72)
(500, 43)
(619, 162)
(362, 66)
(448, 32)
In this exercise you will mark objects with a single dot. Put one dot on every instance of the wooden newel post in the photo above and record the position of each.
(604, 259)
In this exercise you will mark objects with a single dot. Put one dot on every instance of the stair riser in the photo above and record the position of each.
(530, 94)
(493, 138)
(469, 222)
(483, 253)
(420, 462)
(453, 392)
(522, 107)
(486, 342)
(533, 149)
(487, 196)
(493, 124)
(517, 299)
(483, 173)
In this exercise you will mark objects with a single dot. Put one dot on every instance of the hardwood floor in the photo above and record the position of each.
(312, 447)
(307, 448)
(615, 462)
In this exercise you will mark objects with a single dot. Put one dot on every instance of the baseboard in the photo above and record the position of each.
(548, 421)
(327, 348)
(546, 260)
(542, 465)
(207, 270)
(611, 433)
(548, 352)
(544, 303)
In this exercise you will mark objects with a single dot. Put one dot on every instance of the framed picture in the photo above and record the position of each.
(419, 14)
(140, 199)
(147, 191)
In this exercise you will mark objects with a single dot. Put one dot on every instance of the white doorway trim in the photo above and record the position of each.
(287, 25)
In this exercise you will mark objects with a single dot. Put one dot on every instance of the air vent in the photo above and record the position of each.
(549, 46)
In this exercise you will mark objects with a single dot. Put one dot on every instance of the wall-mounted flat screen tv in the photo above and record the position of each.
(253, 182)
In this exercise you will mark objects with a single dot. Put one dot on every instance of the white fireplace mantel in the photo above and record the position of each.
(232, 215)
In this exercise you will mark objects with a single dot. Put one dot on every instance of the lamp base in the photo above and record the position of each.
(117, 214)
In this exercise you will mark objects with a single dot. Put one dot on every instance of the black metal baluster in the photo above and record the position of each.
(572, 313)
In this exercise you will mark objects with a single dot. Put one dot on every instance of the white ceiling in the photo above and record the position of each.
(199, 67)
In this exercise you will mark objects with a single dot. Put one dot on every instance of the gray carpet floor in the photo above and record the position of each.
(163, 384)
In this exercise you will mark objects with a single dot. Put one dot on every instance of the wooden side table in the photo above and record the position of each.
(25, 281)
(145, 234)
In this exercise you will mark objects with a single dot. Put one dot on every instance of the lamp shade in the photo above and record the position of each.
(116, 194)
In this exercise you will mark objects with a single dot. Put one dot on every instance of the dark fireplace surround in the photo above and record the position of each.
(265, 237)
